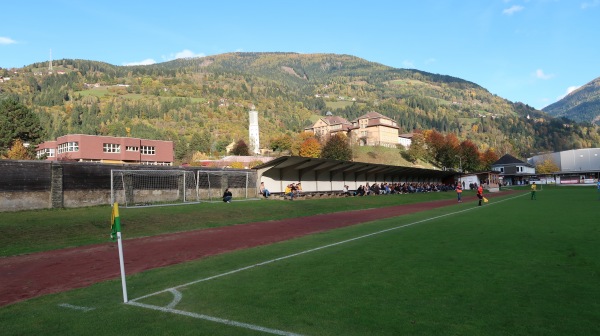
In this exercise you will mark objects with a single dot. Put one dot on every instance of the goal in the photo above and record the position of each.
(135, 188)
(146, 187)
(212, 184)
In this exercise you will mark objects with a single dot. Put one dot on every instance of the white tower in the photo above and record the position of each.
(253, 132)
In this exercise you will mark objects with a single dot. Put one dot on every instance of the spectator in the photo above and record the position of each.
(264, 191)
(289, 191)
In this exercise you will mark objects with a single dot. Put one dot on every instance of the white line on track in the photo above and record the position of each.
(177, 295)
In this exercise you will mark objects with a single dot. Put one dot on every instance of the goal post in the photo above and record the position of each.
(212, 184)
(146, 187)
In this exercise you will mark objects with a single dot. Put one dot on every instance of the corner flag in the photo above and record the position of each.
(115, 222)
(115, 233)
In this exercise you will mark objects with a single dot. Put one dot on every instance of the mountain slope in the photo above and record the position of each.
(202, 103)
(580, 105)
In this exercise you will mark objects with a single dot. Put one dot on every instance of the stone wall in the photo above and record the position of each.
(28, 185)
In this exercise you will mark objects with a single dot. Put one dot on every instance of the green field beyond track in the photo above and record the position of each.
(511, 267)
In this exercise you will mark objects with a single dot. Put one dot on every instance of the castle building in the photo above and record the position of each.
(371, 129)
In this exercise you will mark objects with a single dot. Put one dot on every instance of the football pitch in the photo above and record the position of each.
(514, 266)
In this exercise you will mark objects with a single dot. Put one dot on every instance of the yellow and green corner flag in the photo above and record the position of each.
(115, 222)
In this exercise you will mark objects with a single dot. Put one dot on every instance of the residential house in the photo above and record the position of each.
(512, 170)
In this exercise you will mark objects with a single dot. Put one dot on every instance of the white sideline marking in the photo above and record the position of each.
(84, 309)
(178, 296)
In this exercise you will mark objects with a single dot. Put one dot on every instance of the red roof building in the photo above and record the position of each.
(107, 149)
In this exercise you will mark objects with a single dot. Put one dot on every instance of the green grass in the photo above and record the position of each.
(512, 267)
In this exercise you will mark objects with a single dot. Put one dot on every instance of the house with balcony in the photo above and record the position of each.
(107, 149)
(513, 171)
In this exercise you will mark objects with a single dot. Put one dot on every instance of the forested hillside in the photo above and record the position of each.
(202, 103)
(582, 105)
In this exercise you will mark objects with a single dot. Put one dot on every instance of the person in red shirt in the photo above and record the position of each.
(480, 194)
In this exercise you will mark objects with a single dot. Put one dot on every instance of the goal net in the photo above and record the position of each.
(139, 188)
(135, 188)
(212, 184)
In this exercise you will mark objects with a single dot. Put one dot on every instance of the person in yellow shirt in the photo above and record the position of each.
(533, 189)
(289, 192)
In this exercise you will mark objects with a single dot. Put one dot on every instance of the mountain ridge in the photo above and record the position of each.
(202, 103)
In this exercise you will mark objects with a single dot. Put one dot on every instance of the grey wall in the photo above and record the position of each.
(27, 185)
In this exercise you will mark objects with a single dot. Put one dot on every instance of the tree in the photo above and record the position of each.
(310, 148)
(470, 156)
(337, 148)
(17, 122)
(200, 142)
(302, 137)
(488, 158)
(417, 149)
(547, 166)
(18, 151)
(281, 143)
(240, 148)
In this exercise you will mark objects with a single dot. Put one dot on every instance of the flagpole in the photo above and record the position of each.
(122, 264)
(116, 230)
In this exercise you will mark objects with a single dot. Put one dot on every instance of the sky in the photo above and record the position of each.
(530, 51)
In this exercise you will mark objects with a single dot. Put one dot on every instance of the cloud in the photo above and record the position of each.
(512, 10)
(6, 40)
(539, 73)
(430, 60)
(571, 89)
(147, 61)
(408, 64)
(590, 4)
(185, 53)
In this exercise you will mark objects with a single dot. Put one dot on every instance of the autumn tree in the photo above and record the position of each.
(310, 148)
(469, 154)
(18, 151)
(337, 148)
(435, 142)
(488, 158)
(299, 141)
(240, 148)
(547, 166)
(447, 154)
